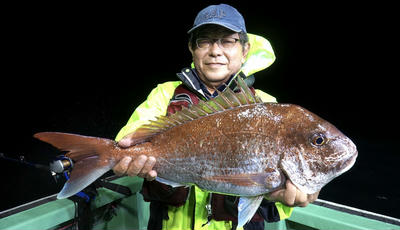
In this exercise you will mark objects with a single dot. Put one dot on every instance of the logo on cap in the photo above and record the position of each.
(214, 13)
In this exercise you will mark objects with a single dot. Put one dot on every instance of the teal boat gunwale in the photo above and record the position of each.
(133, 213)
(356, 211)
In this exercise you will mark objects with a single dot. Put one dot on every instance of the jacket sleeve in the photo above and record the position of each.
(265, 97)
(283, 210)
(155, 105)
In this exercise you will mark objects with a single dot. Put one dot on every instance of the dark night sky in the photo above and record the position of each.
(84, 68)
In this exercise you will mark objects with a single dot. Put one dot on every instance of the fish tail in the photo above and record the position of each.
(92, 158)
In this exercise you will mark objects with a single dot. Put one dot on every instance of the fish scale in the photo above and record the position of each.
(233, 144)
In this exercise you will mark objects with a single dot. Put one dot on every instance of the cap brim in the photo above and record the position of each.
(228, 26)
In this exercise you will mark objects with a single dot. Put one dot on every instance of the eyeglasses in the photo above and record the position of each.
(223, 43)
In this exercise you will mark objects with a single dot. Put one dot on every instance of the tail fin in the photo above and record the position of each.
(90, 156)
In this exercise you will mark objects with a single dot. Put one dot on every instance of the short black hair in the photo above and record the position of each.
(195, 34)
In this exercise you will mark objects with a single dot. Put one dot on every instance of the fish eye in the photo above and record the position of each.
(318, 139)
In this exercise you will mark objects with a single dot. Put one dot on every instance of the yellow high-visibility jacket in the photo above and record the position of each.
(259, 57)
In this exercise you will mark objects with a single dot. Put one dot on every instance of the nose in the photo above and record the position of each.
(215, 50)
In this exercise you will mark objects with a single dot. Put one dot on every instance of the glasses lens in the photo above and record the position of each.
(203, 43)
(228, 43)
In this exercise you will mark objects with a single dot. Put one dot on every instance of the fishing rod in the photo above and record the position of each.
(60, 165)
(23, 161)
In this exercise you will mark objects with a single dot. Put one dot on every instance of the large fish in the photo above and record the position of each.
(233, 144)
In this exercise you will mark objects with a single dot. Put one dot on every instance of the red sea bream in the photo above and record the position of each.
(233, 144)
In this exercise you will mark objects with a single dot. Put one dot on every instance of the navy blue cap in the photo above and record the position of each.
(223, 15)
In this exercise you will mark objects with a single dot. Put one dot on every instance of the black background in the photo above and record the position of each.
(84, 68)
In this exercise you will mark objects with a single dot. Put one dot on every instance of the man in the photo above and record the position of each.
(221, 50)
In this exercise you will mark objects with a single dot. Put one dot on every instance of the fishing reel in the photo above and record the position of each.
(61, 165)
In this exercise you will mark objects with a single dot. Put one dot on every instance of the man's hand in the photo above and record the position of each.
(142, 166)
(292, 196)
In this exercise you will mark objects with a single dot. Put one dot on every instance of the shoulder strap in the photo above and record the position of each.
(183, 97)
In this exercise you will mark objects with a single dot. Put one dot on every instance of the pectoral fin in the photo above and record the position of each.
(247, 208)
(271, 179)
(239, 179)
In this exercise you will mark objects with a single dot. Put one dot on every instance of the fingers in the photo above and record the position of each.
(291, 196)
(275, 196)
(301, 199)
(312, 197)
(136, 166)
(142, 166)
(147, 171)
(122, 166)
(125, 142)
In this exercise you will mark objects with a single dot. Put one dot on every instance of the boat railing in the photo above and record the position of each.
(112, 210)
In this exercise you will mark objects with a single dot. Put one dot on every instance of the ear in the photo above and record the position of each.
(190, 48)
(246, 49)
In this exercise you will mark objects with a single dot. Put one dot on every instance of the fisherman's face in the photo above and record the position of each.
(216, 64)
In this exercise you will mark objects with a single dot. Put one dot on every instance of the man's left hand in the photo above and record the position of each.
(291, 196)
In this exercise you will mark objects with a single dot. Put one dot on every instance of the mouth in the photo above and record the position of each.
(349, 162)
(352, 154)
(215, 64)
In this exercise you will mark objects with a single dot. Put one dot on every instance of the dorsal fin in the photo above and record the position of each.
(224, 101)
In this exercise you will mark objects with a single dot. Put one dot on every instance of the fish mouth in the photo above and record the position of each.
(349, 162)
(352, 156)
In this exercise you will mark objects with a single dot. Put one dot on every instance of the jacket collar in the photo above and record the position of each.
(190, 78)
